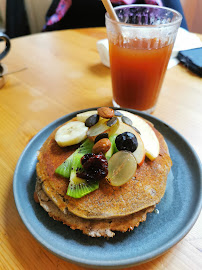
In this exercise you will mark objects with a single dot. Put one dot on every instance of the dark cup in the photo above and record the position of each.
(6, 39)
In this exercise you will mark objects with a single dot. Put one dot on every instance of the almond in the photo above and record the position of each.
(102, 146)
(105, 112)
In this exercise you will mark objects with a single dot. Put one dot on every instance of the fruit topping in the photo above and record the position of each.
(105, 112)
(95, 167)
(148, 136)
(126, 120)
(101, 136)
(126, 141)
(86, 157)
(92, 120)
(71, 133)
(83, 116)
(112, 121)
(113, 149)
(102, 146)
(65, 168)
(77, 187)
(139, 153)
(98, 128)
(122, 167)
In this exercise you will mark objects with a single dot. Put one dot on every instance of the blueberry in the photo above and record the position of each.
(126, 141)
(92, 120)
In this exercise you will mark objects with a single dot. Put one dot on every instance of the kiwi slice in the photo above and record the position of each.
(85, 147)
(113, 149)
(79, 187)
(66, 167)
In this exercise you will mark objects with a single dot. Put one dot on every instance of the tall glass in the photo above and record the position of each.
(140, 45)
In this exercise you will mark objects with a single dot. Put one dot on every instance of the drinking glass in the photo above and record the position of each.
(140, 45)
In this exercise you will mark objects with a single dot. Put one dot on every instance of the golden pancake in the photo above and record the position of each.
(91, 227)
(107, 202)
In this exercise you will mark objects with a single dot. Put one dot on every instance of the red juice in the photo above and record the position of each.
(138, 72)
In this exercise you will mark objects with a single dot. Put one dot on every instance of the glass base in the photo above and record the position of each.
(146, 111)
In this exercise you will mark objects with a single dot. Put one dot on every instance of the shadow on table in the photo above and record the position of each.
(99, 70)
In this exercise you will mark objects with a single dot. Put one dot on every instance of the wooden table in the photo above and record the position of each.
(61, 72)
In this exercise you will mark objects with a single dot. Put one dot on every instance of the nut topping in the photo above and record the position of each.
(105, 112)
(102, 146)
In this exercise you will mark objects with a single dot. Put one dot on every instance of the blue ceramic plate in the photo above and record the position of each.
(178, 210)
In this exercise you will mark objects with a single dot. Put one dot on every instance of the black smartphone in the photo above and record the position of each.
(192, 59)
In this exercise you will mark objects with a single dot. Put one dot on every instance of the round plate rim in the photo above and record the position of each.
(109, 264)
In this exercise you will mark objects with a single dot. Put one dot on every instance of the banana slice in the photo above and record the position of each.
(83, 116)
(71, 133)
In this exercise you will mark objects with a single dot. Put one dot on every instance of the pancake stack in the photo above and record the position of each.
(108, 208)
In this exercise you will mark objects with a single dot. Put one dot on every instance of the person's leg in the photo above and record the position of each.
(16, 19)
(175, 4)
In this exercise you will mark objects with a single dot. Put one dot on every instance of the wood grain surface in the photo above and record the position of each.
(55, 73)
